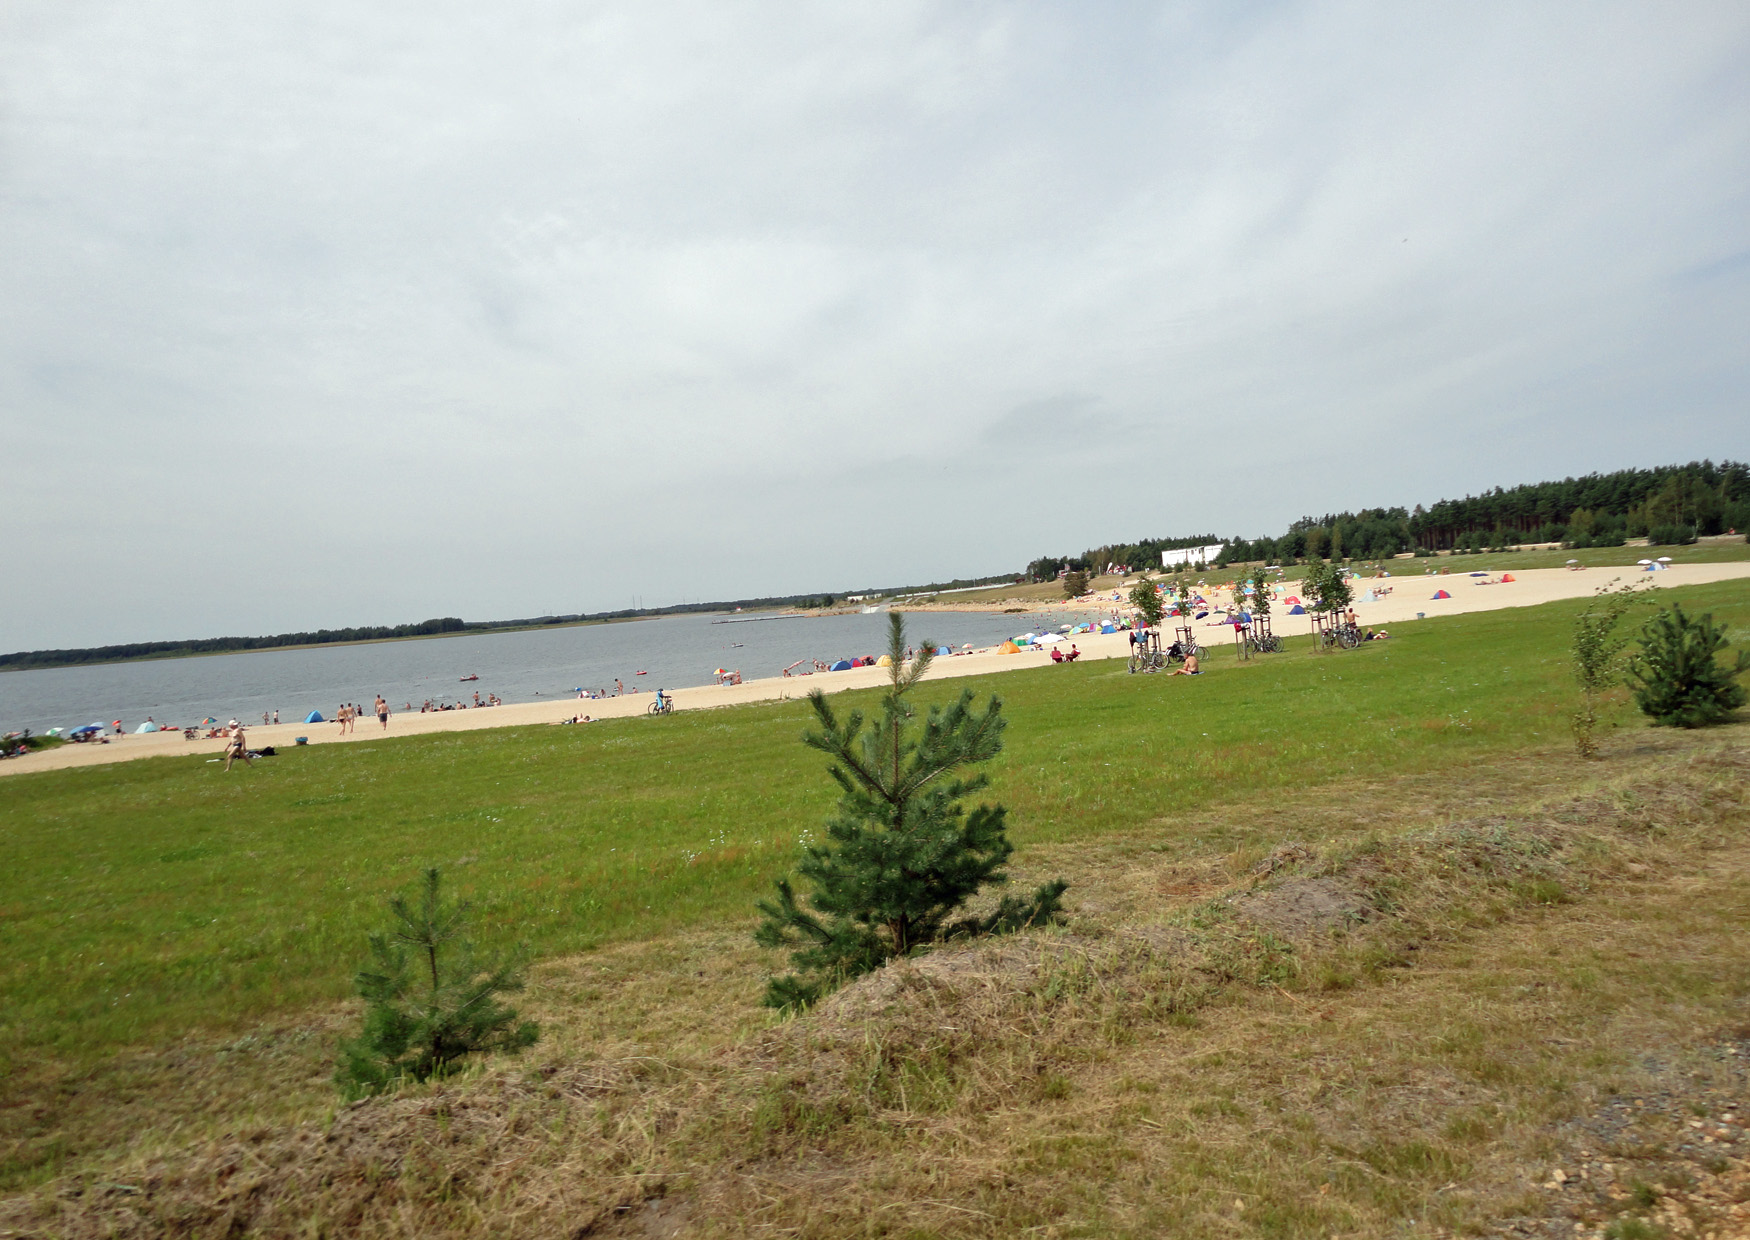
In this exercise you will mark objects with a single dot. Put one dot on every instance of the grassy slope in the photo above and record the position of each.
(149, 900)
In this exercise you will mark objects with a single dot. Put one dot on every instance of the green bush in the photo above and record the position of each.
(1670, 535)
(1680, 682)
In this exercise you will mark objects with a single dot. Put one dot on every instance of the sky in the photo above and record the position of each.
(333, 313)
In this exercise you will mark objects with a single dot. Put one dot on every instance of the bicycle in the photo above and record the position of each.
(662, 705)
(1147, 657)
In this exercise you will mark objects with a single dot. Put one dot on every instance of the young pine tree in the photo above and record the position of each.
(429, 1001)
(904, 855)
(1678, 679)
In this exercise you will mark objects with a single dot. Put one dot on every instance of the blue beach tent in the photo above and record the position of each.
(314, 716)
(1297, 610)
(943, 650)
(843, 665)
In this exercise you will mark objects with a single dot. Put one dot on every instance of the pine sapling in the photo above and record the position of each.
(1678, 679)
(429, 1000)
(903, 854)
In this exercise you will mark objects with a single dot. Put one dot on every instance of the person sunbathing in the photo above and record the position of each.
(1191, 668)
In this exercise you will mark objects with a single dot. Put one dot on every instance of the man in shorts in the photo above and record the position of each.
(382, 712)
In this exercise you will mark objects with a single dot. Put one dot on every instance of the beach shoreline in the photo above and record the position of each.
(1409, 595)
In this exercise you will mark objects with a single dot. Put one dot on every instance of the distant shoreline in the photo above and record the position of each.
(360, 641)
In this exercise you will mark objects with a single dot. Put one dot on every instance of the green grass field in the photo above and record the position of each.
(147, 899)
(179, 941)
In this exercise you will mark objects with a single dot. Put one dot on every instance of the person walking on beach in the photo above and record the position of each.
(237, 749)
(340, 718)
(382, 712)
(618, 687)
(276, 716)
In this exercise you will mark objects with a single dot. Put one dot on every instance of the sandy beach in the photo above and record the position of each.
(1409, 595)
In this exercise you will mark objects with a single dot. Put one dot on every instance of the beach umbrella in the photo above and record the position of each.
(1573, 561)
(1066, 627)
(1664, 559)
(1643, 561)
(967, 646)
(210, 720)
(86, 728)
(1482, 574)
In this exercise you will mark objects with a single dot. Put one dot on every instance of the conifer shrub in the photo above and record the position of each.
(430, 1001)
(1679, 680)
(903, 854)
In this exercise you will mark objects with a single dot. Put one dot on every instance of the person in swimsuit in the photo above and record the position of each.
(1190, 668)
(237, 749)
(382, 712)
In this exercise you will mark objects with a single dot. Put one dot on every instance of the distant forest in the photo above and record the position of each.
(1669, 503)
(447, 625)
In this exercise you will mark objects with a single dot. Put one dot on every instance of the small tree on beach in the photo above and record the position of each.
(1596, 653)
(429, 1001)
(903, 854)
(1075, 583)
(1147, 601)
(1679, 680)
(1260, 584)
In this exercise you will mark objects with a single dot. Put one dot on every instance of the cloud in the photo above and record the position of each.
(334, 313)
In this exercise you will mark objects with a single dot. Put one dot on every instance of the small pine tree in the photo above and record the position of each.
(1075, 583)
(1678, 680)
(903, 854)
(1597, 658)
(429, 1001)
(1147, 601)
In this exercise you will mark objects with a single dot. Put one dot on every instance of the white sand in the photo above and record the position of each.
(1410, 594)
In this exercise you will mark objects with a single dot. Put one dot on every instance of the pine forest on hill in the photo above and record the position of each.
(1668, 503)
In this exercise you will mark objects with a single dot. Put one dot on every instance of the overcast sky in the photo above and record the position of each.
(332, 313)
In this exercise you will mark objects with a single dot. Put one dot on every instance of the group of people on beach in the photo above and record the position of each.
(348, 715)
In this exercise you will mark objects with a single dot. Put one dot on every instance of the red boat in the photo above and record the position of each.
(466, 679)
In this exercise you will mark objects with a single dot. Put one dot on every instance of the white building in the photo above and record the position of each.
(1190, 555)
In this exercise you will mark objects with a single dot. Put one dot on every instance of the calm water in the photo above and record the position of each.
(674, 651)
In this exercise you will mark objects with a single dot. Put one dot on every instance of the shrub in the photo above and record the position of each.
(428, 1007)
(1075, 583)
(1596, 652)
(1679, 680)
(1670, 535)
(904, 855)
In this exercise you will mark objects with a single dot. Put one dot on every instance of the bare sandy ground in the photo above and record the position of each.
(1409, 595)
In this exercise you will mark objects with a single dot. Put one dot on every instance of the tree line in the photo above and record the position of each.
(1667, 503)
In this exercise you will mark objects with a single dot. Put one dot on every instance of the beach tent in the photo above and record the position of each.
(1107, 628)
(1441, 594)
(1506, 577)
(843, 665)
(148, 726)
(1292, 601)
(1656, 567)
(944, 650)
(1008, 648)
(1297, 610)
(885, 660)
(314, 716)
